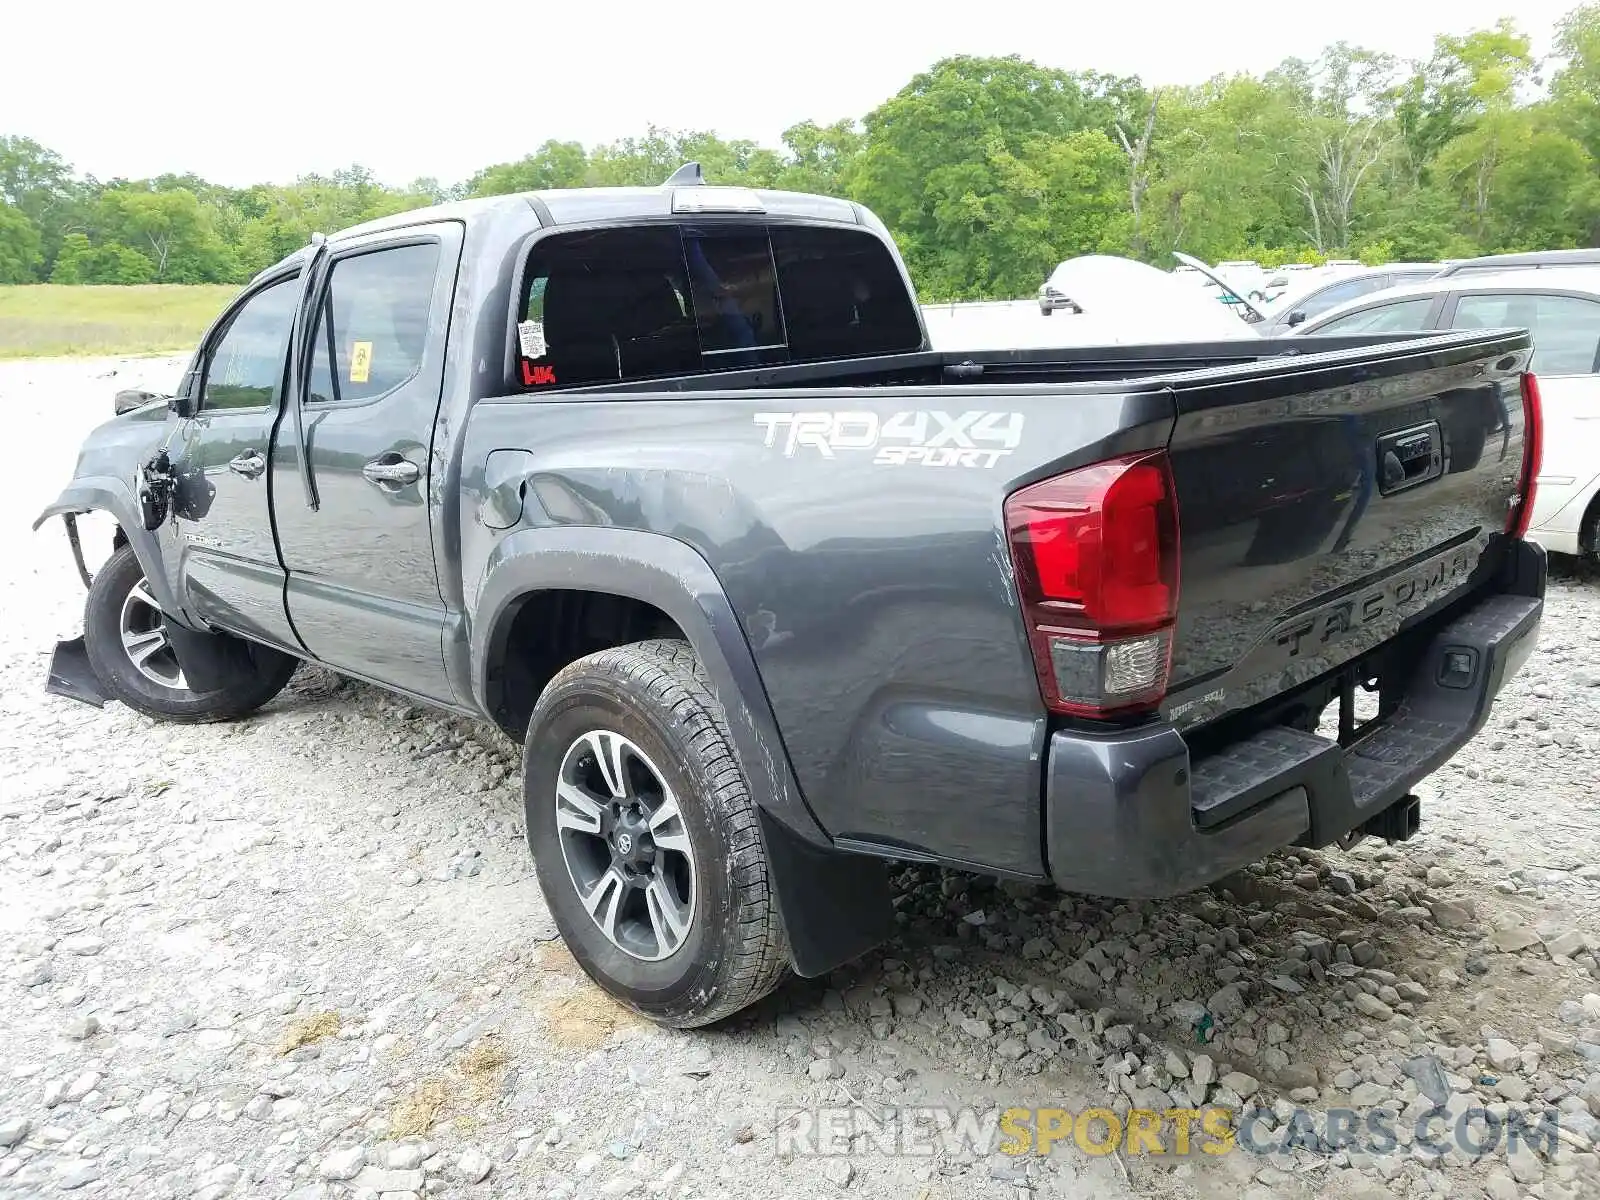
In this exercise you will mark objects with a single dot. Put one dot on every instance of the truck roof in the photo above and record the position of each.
(584, 206)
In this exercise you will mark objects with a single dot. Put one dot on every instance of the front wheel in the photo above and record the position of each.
(125, 635)
(645, 839)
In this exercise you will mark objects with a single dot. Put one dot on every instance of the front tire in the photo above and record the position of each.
(124, 633)
(644, 837)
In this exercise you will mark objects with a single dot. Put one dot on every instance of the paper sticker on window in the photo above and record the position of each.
(360, 362)
(531, 335)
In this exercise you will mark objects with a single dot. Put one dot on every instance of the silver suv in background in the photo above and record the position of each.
(1291, 309)
(1534, 260)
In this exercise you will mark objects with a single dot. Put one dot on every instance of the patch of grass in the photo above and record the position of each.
(314, 1028)
(481, 1070)
(44, 319)
(587, 1020)
(483, 1066)
(420, 1108)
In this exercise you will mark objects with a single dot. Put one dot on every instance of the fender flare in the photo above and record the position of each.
(113, 496)
(673, 577)
(835, 905)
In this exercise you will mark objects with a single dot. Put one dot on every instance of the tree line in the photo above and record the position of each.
(989, 171)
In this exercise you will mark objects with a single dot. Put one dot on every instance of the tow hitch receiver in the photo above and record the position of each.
(72, 676)
(1399, 822)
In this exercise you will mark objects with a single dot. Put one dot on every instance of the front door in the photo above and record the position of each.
(227, 569)
(362, 589)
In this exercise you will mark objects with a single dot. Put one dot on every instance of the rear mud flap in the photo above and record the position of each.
(72, 676)
(835, 906)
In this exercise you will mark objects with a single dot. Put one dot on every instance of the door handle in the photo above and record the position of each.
(249, 464)
(391, 468)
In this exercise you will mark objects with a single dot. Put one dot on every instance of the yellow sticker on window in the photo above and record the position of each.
(360, 362)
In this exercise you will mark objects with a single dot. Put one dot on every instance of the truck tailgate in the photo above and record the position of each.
(1324, 510)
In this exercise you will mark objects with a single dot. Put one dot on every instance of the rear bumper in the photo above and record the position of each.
(1129, 815)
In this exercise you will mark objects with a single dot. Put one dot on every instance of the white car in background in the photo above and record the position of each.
(1096, 300)
(1562, 311)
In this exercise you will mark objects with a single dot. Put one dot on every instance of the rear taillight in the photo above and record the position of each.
(1096, 558)
(1532, 456)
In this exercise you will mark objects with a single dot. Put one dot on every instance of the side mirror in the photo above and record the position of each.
(1297, 317)
(182, 404)
(129, 399)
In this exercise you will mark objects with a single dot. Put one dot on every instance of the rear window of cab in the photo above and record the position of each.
(654, 301)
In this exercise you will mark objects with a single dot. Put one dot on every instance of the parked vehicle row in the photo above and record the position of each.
(1561, 309)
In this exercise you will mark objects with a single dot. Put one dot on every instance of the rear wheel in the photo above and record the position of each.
(645, 840)
(125, 635)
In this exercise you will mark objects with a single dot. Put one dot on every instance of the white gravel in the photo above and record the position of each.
(304, 956)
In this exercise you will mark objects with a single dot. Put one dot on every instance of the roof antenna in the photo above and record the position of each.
(687, 175)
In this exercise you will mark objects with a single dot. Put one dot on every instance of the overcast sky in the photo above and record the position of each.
(265, 92)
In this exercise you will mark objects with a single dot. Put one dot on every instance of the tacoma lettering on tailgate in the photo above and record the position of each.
(1393, 598)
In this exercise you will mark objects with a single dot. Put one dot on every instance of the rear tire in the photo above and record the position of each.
(629, 747)
(124, 635)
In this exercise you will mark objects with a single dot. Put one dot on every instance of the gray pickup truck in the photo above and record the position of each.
(667, 484)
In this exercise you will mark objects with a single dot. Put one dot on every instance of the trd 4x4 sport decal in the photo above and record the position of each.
(926, 437)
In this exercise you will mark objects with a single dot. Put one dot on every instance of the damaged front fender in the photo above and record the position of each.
(115, 498)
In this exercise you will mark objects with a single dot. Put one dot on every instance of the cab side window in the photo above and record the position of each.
(245, 368)
(372, 326)
(652, 301)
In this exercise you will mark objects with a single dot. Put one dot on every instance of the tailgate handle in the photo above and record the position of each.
(1408, 457)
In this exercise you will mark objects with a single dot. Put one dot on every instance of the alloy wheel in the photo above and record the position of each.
(144, 637)
(625, 845)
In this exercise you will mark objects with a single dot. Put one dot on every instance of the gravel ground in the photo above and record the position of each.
(304, 956)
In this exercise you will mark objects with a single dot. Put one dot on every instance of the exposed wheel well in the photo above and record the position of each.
(548, 630)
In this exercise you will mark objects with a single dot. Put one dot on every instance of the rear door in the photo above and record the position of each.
(1566, 358)
(227, 566)
(363, 591)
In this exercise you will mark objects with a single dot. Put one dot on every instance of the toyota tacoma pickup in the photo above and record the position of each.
(668, 485)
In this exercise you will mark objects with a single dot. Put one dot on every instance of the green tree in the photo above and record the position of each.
(552, 165)
(20, 253)
(1222, 185)
(821, 158)
(1521, 183)
(38, 183)
(171, 229)
(955, 163)
(1575, 88)
(1464, 78)
(82, 262)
